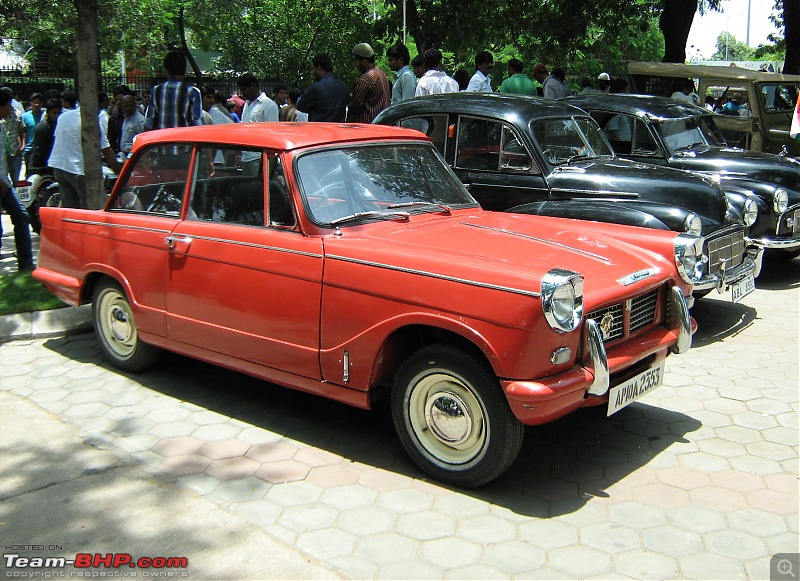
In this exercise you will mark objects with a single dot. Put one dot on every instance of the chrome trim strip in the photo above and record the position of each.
(597, 364)
(680, 320)
(768, 243)
(593, 194)
(126, 226)
(526, 293)
(544, 241)
(260, 246)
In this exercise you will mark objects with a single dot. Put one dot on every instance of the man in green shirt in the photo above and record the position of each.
(517, 82)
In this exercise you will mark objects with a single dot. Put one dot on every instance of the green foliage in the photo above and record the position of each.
(730, 49)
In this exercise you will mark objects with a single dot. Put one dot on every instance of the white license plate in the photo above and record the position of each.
(743, 288)
(24, 193)
(635, 388)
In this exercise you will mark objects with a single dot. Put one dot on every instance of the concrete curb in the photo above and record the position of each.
(39, 324)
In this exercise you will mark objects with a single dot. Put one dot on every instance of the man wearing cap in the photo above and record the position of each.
(603, 82)
(327, 97)
(552, 88)
(371, 93)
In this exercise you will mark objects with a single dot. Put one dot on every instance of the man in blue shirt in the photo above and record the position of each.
(405, 84)
(174, 103)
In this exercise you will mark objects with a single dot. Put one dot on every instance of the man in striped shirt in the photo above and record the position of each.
(372, 91)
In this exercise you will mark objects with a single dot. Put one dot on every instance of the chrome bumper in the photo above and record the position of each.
(725, 278)
(678, 319)
(779, 243)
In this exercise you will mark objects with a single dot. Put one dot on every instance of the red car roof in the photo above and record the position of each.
(281, 136)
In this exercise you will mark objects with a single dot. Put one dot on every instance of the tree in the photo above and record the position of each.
(730, 49)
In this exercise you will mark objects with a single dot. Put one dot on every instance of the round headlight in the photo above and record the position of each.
(562, 299)
(692, 225)
(689, 257)
(750, 212)
(781, 201)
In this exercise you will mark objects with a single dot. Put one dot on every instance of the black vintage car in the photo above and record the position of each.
(673, 134)
(538, 156)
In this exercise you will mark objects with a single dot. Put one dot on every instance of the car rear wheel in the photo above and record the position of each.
(116, 329)
(452, 417)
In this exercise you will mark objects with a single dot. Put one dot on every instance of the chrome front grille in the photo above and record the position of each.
(726, 250)
(796, 222)
(626, 319)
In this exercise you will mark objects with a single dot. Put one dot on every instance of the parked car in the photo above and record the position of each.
(538, 156)
(673, 134)
(769, 100)
(348, 261)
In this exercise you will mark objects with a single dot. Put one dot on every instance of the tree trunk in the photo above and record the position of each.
(185, 49)
(791, 23)
(88, 73)
(675, 23)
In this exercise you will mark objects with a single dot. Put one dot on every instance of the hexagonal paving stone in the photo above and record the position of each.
(334, 475)
(716, 498)
(239, 490)
(773, 501)
(704, 462)
(697, 518)
(404, 501)
(303, 519)
(644, 564)
(368, 520)
(757, 522)
(660, 495)
(637, 515)
(178, 446)
(771, 450)
(610, 537)
(735, 545)
(425, 526)
(580, 561)
(451, 553)
(412, 569)
(228, 448)
(349, 496)
(486, 529)
(232, 468)
(183, 464)
(548, 533)
(171, 429)
(282, 471)
(217, 431)
(272, 451)
(386, 548)
(516, 557)
(683, 477)
(294, 493)
(710, 566)
(672, 541)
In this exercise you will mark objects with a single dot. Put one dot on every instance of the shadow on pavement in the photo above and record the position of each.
(718, 319)
(561, 466)
(779, 274)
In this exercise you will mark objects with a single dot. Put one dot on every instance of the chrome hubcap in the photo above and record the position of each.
(120, 325)
(448, 418)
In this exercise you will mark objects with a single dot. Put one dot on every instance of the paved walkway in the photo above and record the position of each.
(698, 481)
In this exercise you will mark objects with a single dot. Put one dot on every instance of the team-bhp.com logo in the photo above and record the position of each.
(88, 564)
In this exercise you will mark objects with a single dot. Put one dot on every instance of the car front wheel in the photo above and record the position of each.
(452, 417)
(116, 329)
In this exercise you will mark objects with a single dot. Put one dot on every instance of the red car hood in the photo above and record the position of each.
(507, 250)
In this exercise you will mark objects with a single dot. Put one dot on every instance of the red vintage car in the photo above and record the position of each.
(350, 262)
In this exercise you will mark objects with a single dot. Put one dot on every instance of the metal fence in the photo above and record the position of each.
(24, 85)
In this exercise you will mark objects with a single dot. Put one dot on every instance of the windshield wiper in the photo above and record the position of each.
(572, 158)
(442, 207)
(371, 214)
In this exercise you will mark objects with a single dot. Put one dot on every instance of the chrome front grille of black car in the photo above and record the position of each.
(796, 222)
(725, 250)
(626, 319)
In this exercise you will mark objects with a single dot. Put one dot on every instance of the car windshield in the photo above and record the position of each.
(377, 182)
(690, 133)
(564, 140)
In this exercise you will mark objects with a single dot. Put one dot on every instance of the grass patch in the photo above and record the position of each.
(21, 293)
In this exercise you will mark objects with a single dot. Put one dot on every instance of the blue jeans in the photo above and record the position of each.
(22, 229)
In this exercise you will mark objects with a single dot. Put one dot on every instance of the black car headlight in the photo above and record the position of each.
(562, 299)
(689, 257)
(781, 201)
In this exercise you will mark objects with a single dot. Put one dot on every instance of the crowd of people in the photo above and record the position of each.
(46, 137)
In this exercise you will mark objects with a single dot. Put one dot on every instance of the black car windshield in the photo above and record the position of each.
(690, 133)
(377, 182)
(564, 140)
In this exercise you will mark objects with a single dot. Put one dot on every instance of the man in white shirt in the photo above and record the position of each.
(480, 81)
(435, 81)
(258, 108)
(132, 123)
(66, 158)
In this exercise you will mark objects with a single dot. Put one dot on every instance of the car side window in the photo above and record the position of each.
(643, 142)
(224, 191)
(434, 126)
(156, 183)
(483, 144)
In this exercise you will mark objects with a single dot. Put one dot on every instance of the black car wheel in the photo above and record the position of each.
(452, 417)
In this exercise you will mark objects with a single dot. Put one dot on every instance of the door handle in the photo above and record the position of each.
(178, 243)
